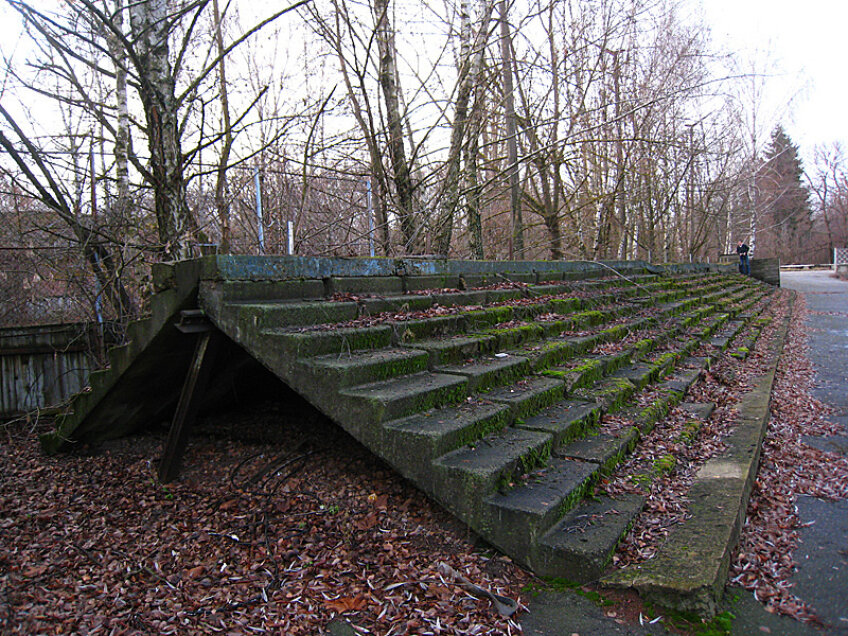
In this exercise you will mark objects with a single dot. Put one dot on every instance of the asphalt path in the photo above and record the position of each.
(822, 556)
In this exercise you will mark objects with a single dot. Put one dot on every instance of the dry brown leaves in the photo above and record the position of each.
(646, 471)
(788, 468)
(90, 543)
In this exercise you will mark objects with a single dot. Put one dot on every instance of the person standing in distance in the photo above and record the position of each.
(744, 267)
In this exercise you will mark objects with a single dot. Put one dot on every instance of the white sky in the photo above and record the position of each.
(808, 42)
(806, 45)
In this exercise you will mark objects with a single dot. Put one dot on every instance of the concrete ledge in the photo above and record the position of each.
(766, 270)
(258, 268)
(690, 570)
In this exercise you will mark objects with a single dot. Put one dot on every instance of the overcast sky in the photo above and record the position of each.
(808, 43)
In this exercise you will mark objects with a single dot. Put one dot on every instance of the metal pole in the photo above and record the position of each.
(290, 230)
(93, 185)
(370, 207)
(260, 230)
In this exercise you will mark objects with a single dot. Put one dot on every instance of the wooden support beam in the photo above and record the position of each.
(192, 392)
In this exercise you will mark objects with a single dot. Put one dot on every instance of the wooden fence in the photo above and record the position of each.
(42, 366)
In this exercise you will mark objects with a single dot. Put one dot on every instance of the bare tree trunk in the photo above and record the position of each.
(222, 204)
(363, 115)
(150, 25)
(471, 173)
(512, 142)
(471, 54)
(394, 125)
(122, 127)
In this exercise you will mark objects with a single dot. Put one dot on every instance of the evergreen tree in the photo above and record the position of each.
(784, 219)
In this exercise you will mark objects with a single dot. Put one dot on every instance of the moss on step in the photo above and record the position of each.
(481, 318)
(690, 432)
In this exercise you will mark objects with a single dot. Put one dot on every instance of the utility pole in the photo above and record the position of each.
(260, 225)
(517, 242)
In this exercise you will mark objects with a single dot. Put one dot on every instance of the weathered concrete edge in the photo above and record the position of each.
(259, 268)
(690, 571)
(181, 294)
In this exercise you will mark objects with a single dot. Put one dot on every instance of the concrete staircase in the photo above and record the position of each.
(484, 386)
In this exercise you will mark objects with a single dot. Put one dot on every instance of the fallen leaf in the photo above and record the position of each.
(346, 604)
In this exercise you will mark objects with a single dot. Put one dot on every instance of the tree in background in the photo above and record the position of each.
(784, 216)
(85, 55)
(828, 182)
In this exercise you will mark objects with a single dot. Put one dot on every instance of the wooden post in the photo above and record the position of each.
(192, 392)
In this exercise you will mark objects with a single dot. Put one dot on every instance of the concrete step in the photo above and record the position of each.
(602, 449)
(340, 341)
(528, 396)
(362, 367)
(531, 505)
(566, 420)
(488, 372)
(412, 330)
(456, 349)
(272, 315)
(412, 442)
(392, 399)
(583, 541)
(464, 477)
(610, 393)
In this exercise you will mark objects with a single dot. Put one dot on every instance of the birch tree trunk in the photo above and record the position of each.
(222, 205)
(118, 55)
(149, 20)
(517, 243)
(394, 124)
(471, 55)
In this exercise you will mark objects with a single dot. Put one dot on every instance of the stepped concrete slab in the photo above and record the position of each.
(391, 399)
(454, 349)
(580, 374)
(605, 450)
(532, 505)
(369, 306)
(640, 374)
(610, 393)
(466, 475)
(269, 315)
(489, 317)
(566, 420)
(413, 441)
(545, 490)
(367, 366)
(490, 372)
(488, 399)
(236, 291)
(557, 350)
(682, 381)
(698, 410)
(511, 337)
(581, 545)
(335, 341)
(412, 330)
(528, 396)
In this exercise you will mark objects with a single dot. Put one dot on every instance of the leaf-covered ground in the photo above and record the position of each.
(788, 468)
(278, 538)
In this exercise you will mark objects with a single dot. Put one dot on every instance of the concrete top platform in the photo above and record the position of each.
(261, 268)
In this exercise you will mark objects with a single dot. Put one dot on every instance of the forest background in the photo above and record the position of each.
(135, 132)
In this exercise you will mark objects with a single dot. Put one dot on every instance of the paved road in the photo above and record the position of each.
(822, 577)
